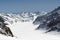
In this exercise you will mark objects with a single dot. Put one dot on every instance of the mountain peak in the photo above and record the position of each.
(56, 9)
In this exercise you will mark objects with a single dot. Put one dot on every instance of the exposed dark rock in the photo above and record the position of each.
(49, 21)
(1, 19)
(4, 29)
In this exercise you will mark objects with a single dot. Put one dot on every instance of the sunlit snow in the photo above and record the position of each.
(26, 31)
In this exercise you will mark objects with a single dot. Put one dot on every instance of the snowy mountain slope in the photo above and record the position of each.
(22, 17)
(25, 30)
(48, 16)
(49, 21)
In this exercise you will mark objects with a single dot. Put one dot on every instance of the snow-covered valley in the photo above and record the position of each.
(26, 31)
(23, 25)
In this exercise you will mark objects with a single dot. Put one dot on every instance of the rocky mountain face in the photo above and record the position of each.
(10, 18)
(22, 17)
(50, 20)
(4, 29)
(48, 16)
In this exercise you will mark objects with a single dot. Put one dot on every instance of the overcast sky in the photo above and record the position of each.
(28, 5)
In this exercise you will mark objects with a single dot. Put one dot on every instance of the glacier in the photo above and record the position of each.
(23, 28)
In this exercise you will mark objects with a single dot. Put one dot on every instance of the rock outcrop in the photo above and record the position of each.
(49, 21)
(4, 29)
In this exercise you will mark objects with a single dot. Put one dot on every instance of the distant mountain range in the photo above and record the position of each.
(22, 17)
(49, 21)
